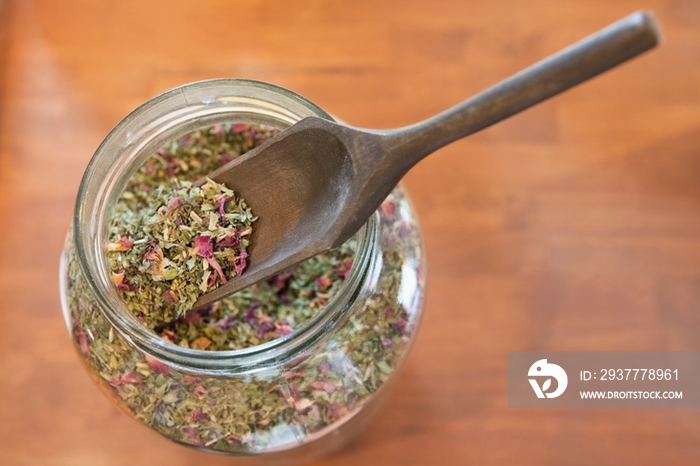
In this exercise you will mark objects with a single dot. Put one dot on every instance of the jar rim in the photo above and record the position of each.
(128, 139)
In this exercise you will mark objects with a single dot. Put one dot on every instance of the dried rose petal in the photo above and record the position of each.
(118, 279)
(279, 282)
(222, 203)
(226, 322)
(229, 241)
(240, 263)
(173, 206)
(283, 327)
(404, 229)
(291, 374)
(239, 127)
(324, 367)
(168, 296)
(154, 253)
(226, 158)
(339, 411)
(264, 328)
(192, 433)
(83, 341)
(399, 324)
(174, 165)
(127, 377)
(326, 386)
(199, 390)
(388, 210)
(198, 416)
(217, 130)
(157, 366)
(122, 244)
(169, 335)
(323, 282)
(250, 137)
(202, 246)
(194, 316)
(215, 265)
(344, 269)
(186, 141)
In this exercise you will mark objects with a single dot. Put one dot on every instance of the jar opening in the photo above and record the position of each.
(158, 121)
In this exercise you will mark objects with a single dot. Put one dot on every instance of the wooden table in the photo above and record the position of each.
(573, 226)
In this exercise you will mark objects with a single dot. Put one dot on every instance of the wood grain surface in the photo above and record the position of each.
(573, 226)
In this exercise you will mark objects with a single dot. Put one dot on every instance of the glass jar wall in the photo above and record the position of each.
(324, 380)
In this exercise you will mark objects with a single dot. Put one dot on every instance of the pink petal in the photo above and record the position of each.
(173, 206)
(154, 253)
(202, 247)
(122, 244)
(230, 241)
(283, 327)
(324, 367)
(127, 377)
(222, 202)
(173, 166)
(118, 279)
(240, 263)
(250, 137)
(169, 335)
(215, 265)
(198, 416)
(168, 296)
(326, 386)
(218, 130)
(344, 269)
(323, 282)
(83, 341)
(388, 209)
(264, 328)
(157, 366)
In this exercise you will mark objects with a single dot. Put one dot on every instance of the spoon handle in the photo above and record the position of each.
(596, 53)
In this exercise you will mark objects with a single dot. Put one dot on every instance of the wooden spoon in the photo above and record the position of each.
(316, 183)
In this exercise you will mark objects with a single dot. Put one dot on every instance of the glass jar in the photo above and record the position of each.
(300, 395)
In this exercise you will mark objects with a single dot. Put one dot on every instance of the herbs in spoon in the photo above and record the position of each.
(187, 241)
